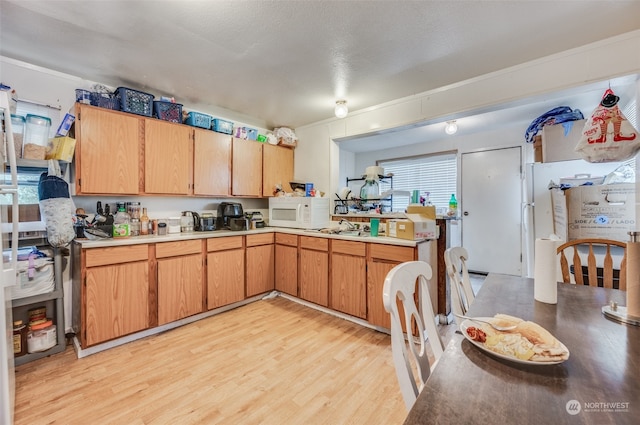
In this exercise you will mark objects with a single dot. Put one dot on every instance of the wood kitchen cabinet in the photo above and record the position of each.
(277, 168)
(348, 284)
(180, 280)
(260, 264)
(246, 168)
(168, 158)
(107, 151)
(225, 271)
(111, 293)
(382, 258)
(211, 163)
(313, 270)
(286, 264)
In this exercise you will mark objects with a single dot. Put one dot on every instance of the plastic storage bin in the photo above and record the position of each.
(83, 96)
(198, 119)
(17, 127)
(222, 126)
(167, 111)
(252, 133)
(134, 101)
(36, 137)
(41, 337)
(105, 100)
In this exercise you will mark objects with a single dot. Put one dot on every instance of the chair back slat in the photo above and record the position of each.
(607, 278)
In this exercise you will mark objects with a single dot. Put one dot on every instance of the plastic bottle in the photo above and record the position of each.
(144, 222)
(453, 206)
(121, 222)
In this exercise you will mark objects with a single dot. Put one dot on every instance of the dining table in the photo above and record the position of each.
(598, 384)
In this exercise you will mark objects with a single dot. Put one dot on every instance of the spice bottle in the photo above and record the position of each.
(19, 338)
(144, 222)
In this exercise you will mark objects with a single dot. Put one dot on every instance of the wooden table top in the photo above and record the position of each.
(598, 384)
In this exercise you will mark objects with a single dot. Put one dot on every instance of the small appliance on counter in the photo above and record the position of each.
(299, 212)
(230, 213)
(206, 223)
(256, 221)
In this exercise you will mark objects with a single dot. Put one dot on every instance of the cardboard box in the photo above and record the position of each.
(419, 224)
(602, 211)
(537, 149)
(559, 141)
(61, 148)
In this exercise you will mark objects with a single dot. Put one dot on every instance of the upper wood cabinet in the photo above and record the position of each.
(277, 168)
(168, 153)
(246, 168)
(107, 151)
(211, 163)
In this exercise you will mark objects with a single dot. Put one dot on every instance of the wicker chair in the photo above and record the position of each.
(575, 258)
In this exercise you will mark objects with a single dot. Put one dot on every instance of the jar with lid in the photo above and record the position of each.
(121, 222)
(41, 337)
(17, 128)
(19, 338)
(36, 137)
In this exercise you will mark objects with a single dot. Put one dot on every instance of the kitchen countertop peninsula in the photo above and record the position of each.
(172, 237)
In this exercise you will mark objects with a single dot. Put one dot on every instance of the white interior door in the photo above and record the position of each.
(491, 210)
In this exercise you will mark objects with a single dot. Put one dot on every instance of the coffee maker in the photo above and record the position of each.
(230, 216)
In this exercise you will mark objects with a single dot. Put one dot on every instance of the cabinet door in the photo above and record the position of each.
(225, 277)
(107, 151)
(376, 273)
(168, 153)
(286, 269)
(314, 276)
(277, 168)
(211, 163)
(246, 168)
(349, 284)
(179, 287)
(117, 301)
(260, 269)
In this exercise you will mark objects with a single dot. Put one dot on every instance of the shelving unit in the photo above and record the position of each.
(52, 300)
(386, 184)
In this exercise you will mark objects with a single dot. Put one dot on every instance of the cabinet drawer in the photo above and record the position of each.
(348, 247)
(222, 244)
(285, 239)
(173, 249)
(391, 252)
(319, 244)
(262, 239)
(114, 255)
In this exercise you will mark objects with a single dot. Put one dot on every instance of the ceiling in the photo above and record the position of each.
(285, 63)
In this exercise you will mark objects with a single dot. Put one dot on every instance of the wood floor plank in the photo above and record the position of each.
(270, 362)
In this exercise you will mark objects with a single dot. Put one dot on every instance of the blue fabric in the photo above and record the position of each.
(557, 115)
(52, 187)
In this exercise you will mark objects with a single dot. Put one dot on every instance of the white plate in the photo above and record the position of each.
(469, 323)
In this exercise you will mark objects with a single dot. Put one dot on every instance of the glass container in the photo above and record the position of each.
(36, 137)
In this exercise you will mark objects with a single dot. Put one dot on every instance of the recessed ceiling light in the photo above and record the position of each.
(451, 127)
(341, 109)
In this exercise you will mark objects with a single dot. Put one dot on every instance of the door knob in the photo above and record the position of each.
(465, 213)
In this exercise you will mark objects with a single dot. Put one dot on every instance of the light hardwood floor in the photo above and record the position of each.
(270, 362)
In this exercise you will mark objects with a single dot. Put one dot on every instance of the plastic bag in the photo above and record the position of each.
(607, 135)
(56, 206)
(555, 116)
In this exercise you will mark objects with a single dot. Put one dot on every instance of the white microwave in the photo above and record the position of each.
(299, 212)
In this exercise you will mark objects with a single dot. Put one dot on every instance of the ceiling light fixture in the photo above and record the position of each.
(341, 108)
(451, 127)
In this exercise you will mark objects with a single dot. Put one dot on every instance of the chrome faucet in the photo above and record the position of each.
(350, 225)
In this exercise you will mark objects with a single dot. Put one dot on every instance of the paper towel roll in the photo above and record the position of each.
(633, 279)
(545, 287)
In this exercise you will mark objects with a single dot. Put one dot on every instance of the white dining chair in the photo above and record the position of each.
(455, 260)
(410, 354)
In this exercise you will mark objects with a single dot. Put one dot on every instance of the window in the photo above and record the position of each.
(436, 174)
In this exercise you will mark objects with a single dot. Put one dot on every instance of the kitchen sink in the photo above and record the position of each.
(341, 232)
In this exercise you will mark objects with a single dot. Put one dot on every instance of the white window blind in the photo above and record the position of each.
(436, 174)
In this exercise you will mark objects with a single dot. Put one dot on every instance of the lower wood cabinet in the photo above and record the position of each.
(313, 274)
(225, 271)
(349, 278)
(114, 298)
(286, 263)
(260, 264)
(382, 258)
(180, 280)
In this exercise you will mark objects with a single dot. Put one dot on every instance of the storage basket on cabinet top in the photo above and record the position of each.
(198, 119)
(167, 111)
(134, 101)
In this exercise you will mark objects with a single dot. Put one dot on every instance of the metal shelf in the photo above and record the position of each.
(386, 201)
(57, 296)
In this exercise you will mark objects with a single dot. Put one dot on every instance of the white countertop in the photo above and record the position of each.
(173, 237)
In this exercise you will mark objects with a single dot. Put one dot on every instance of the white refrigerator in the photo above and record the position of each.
(9, 194)
(538, 209)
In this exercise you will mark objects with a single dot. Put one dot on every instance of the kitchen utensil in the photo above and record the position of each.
(485, 320)
(95, 234)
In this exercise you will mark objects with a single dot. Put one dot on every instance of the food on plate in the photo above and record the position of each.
(476, 334)
(527, 341)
